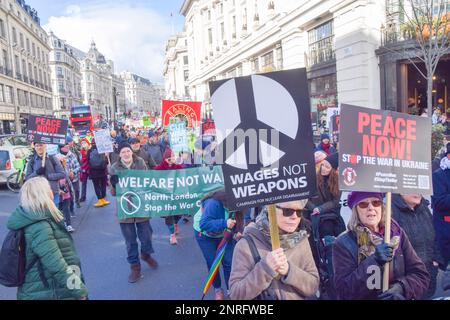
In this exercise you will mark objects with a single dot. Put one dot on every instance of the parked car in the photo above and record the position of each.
(7, 155)
(13, 140)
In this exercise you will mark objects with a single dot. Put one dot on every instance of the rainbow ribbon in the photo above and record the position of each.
(216, 263)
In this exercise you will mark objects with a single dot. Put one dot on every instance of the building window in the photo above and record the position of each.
(209, 15)
(222, 31)
(2, 96)
(321, 44)
(2, 28)
(239, 71)
(14, 34)
(34, 49)
(186, 60)
(210, 37)
(9, 95)
(267, 62)
(234, 27)
(22, 43)
(28, 45)
(17, 63)
(58, 56)
(30, 71)
(5, 60)
(255, 65)
(24, 67)
(186, 75)
(279, 58)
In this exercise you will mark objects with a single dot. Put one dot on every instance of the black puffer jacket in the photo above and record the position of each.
(418, 225)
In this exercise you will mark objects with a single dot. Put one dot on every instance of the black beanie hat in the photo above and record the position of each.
(333, 159)
(124, 145)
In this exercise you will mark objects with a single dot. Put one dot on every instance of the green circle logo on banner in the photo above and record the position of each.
(130, 203)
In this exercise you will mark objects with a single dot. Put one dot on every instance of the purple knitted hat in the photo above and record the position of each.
(356, 197)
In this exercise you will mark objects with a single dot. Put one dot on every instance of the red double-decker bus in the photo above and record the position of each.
(82, 119)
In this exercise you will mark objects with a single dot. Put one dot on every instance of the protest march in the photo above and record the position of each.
(272, 180)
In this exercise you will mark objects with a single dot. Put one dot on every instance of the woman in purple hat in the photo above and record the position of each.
(360, 254)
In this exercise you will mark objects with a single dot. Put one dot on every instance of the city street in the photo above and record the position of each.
(100, 245)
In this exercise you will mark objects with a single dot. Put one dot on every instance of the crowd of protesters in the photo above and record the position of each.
(320, 256)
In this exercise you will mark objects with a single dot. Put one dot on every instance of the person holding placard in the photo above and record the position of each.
(169, 163)
(50, 168)
(98, 174)
(133, 228)
(288, 273)
(210, 223)
(360, 254)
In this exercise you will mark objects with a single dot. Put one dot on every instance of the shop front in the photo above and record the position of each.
(403, 88)
(7, 124)
(323, 96)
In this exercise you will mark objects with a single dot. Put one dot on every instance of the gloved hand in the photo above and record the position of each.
(114, 180)
(41, 171)
(395, 292)
(446, 279)
(384, 253)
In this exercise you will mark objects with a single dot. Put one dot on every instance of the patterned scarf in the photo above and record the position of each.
(368, 240)
(445, 163)
(287, 240)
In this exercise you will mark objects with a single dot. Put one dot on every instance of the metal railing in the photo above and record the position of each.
(320, 55)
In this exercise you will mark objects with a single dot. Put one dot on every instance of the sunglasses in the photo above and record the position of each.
(365, 204)
(289, 212)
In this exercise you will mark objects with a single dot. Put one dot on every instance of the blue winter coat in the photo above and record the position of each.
(440, 202)
(213, 219)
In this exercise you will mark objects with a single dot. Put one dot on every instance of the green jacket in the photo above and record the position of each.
(54, 247)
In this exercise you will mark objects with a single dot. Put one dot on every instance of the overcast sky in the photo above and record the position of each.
(132, 33)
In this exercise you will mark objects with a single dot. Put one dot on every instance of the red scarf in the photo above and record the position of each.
(325, 147)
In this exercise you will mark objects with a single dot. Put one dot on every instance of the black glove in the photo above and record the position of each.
(395, 292)
(446, 279)
(114, 180)
(41, 171)
(383, 253)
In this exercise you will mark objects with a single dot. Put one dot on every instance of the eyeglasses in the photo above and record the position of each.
(365, 204)
(289, 212)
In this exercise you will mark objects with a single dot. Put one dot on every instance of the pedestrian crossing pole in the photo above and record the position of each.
(387, 238)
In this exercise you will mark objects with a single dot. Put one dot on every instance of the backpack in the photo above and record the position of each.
(96, 160)
(267, 294)
(13, 267)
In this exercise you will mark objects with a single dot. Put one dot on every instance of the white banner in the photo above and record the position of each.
(103, 141)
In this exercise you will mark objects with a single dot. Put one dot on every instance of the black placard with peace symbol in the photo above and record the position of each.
(264, 136)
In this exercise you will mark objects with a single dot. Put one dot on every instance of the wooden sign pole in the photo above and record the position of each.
(387, 238)
(274, 233)
(44, 156)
